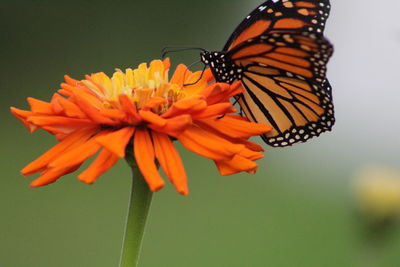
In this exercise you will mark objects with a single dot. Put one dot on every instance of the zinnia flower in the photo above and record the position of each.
(142, 111)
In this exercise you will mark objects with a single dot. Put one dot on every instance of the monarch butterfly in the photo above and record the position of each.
(279, 54)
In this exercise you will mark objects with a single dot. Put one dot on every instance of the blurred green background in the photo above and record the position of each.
(296, 211)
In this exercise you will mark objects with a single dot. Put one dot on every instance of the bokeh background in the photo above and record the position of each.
(298, 210)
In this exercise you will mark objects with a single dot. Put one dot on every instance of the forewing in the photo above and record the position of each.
(281, 16)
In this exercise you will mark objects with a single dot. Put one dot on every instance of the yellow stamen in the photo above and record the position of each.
(140, 85)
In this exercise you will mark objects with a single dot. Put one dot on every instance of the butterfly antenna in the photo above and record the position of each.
(201, 75)
(172, 49)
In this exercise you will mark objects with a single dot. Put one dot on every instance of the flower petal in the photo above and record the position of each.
(64, 92)
(154, 102)
(90, 110)
(194, 83)
(186, 106)
(221, 92)
(250, 145)
(179, 75)
(250, 154)
(166, 63)
(116, 141)
(152, 118)
(70, 80)
(23, 116)
(75, 139)
(174, 126)
(170, 161)
(129, 108)
(70, 109)
(78, 154)
(104, 161)
(208, 75)
(214, 110)
(114, 114)
(51, 175)
(145, 159)
(58, 121)
(39, 106)
(235, 165)
(235, 128)
(55, 104)
(208, 145)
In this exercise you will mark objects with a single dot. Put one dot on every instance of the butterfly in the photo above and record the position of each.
(279, 54)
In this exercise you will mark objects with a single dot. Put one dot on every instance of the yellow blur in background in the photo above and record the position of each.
(377, 192)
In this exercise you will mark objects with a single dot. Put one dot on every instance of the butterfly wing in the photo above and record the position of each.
(284, 77)
(279, 16)
(281, 55)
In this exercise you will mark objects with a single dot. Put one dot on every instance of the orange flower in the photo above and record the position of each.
(104, 114)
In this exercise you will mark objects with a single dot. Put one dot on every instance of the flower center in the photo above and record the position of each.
(140, 85)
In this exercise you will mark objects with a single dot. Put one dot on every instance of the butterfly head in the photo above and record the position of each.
(221, 66)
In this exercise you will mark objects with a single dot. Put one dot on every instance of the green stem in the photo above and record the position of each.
(139, 206)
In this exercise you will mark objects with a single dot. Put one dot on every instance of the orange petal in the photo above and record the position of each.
(87, 97)
(75, 139)
(129, 108)
(185, 106)
(169, 159)
(48, 177)
(64, 92)
(58, 121)
(152, 118)
(154, 102)
(208, 145)
(70, 81)
(174, 126)
(250, 154)
(60, 130)
(250, 145)
(116, 141)
(78, 154)
(235, 165)
(214, 110)
(52, 175)
(193, 84)
(235, 128)
(208, 75)
(68, 89)
(92, 111)
(104, 161)
(22, 115)
(215, 89)
(220, 92)
(55, 104)
(179, 75)
(144, 156)
(98, 86)
(166, 63)
(39, 106)
(114, 114)
(237, 116)
(70, 109)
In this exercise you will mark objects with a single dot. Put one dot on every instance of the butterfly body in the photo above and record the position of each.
(279, 54)
(224, 70)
